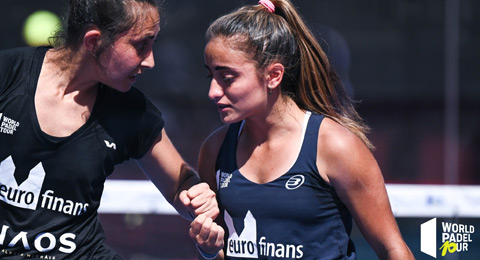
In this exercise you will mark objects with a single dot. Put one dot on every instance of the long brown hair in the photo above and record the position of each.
(283, 36)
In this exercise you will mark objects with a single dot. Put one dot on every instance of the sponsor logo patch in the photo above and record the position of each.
(295, 182)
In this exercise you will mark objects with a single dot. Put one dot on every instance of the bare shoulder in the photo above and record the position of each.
(336, 138)
(213, 142)
(208, 155)
(341, 153)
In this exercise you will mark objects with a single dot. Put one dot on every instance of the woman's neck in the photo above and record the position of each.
(284, 118)
(68, 76)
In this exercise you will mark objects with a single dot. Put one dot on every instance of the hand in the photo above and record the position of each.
(200, 199)
(207, 234)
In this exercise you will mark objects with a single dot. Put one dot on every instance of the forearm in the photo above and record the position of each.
(189, 178)
(178, 182)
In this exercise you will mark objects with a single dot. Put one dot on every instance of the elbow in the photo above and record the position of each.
(397, 251)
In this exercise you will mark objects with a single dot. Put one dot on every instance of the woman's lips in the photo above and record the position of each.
(222, 107)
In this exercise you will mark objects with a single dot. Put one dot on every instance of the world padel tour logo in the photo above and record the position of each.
(8, 125)
(455, 238)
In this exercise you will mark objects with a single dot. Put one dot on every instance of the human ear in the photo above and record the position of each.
(275, 73)
(91, 40)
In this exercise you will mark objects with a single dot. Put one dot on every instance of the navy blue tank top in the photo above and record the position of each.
(296, 216)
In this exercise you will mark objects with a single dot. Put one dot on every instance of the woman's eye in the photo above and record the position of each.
(228, 79)
(141, 46)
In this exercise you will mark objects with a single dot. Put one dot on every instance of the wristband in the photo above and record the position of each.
(206, 255)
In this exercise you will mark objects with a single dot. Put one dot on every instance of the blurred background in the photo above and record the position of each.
(412, 65)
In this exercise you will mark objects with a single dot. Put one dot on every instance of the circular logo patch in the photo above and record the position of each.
(295, 182)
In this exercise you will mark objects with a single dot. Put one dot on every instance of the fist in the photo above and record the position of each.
(200, 200)
(207, 234)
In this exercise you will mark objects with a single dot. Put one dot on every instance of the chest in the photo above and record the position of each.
(268, 161)
(297, 196)
(61, 115)
(73, 168)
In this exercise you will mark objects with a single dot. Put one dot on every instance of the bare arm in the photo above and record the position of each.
(177, 181)
(354, 173)
(208, 234)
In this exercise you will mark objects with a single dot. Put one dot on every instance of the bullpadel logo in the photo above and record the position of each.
(455, 238)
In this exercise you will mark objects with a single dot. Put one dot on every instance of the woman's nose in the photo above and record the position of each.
(149, 61)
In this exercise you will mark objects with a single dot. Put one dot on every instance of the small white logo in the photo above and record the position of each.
(110, 145)
(223, 179)
(8, 125)
(294, 182)
(428, 237)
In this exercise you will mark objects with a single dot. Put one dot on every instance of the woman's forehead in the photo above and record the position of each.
(146, 22)
(145, 15)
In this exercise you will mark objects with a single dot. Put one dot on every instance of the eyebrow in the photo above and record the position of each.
(219, 67)
(149, 37)
(145, 37)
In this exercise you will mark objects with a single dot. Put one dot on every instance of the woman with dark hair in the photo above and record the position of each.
(68, 115)
(292, 165)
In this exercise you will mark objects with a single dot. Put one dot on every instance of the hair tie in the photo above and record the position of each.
(268, 4)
